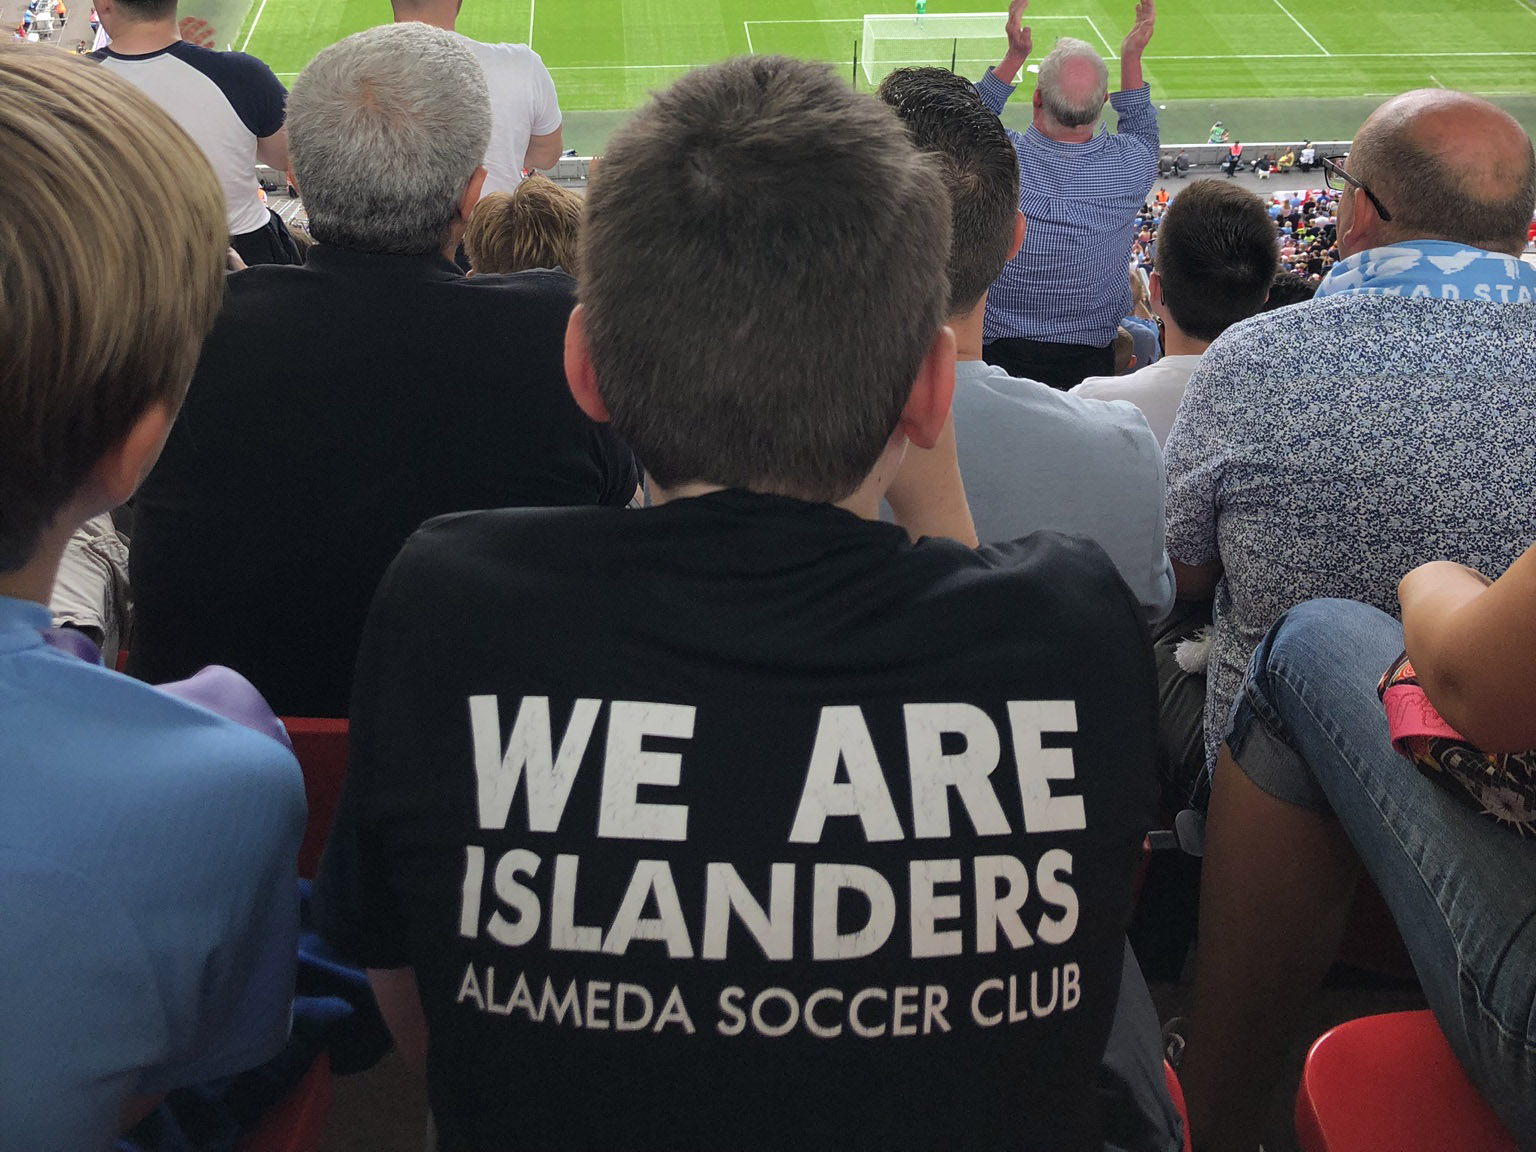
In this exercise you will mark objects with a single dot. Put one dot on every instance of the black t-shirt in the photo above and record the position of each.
(335, 408)
(742, 823)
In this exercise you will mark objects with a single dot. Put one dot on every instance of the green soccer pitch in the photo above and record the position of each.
(1245, 61)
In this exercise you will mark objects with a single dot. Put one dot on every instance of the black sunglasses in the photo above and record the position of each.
(1341, 181)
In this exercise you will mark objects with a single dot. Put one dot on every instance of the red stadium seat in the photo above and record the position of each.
(1170, 1077)
(1391, 1082)
(321, 747)
(294, 1124)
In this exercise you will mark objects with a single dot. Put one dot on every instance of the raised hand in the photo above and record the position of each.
(1141, 31)
(1019, 40)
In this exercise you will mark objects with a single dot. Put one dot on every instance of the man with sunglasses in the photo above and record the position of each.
(1319, 462)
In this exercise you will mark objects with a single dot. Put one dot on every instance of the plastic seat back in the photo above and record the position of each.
(295, 1123)
(321, 747)
(1391, 1082)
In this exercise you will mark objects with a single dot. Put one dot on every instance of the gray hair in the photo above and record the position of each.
(1076, 109)
(385, 129)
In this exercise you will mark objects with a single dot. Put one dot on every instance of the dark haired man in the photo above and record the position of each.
(1036, 458)
(229, 103)
(1216, 258)
(736, 821)
(1031, 456)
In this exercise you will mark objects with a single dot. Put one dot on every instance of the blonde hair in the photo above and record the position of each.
(102, 309)
(537, 225)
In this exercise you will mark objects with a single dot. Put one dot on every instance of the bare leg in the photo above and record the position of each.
(1275, 890)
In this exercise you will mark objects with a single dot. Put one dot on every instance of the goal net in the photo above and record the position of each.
(971, 40)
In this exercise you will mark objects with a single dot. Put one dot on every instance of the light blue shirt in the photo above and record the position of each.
(1034, 458)
(148, 908)
(1069, 282)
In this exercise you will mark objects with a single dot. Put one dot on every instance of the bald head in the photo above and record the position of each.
(1073, 83)
(1448, 166)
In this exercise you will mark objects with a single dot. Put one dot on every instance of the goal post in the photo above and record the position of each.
(937, 39)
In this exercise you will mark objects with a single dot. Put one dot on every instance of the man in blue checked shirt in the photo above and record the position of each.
(1051, 315)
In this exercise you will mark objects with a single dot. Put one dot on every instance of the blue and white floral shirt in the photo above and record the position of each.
(1326, 448)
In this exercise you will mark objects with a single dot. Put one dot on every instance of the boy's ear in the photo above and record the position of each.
(1155, 292)
(928, 405)
(579, 374)
(1018, 235)
(123, 466)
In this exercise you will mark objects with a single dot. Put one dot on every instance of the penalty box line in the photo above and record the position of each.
(746, 26)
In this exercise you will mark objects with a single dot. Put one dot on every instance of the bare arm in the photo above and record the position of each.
(1020, 44)
(543, 151)
(1134, 45)
(400, 1005)
(928, 495)
(273, 150)
(1196, 581)
(1473, 645)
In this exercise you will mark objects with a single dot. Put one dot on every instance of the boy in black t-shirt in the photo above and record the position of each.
(741, 822)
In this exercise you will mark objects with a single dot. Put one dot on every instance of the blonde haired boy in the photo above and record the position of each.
(537, 225)
(147, 845)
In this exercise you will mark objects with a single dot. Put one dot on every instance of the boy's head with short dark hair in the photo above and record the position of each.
(103, 309)
(947, 118)
(758, 291)
(1216, 257)
(537, 225)
(1286, 289)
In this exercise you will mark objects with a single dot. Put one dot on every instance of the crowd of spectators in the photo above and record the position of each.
(768, 617)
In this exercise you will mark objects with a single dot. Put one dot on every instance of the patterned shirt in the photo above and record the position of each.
(1068, 284)
(1326, 448)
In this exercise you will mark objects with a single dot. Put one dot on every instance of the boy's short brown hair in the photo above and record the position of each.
(537, 225)
(1216, 257)
(761, 278)
(103, 309)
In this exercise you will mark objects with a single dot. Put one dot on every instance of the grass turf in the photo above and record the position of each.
(608, 54)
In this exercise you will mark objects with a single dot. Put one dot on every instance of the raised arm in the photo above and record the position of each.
(1020, 44)
(1473, 645)
(1134, 45)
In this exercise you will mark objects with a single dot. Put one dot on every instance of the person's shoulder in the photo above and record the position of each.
(1069, 579)
(532, 283)
(1043, 413)
(504, 549)
(223, 67)
(542, 295)
(503, 53)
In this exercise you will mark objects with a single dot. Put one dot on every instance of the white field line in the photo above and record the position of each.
(1436, 79)
(1148, 59)
(860, 19)
(1528, 5)
(255, 22)
(746, 26)
(1303, 28)
(530, 22)
(1100, 35)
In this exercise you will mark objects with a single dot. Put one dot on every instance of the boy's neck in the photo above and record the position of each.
(967, 329)
(863, 502)
(34, 580)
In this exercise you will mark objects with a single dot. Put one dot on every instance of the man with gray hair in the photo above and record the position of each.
(1052, 314)
(407, 390)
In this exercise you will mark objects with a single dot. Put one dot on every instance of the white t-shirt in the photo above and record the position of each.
(225, 101)
(523, 104)
(1155, 389)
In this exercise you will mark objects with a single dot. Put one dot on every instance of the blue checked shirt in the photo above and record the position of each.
(1068, 284)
